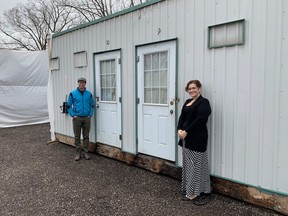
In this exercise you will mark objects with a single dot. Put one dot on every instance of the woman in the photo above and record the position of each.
(193, 134)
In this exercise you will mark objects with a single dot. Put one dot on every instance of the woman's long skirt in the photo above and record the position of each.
(195, 172)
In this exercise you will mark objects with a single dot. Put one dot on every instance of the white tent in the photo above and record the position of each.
(23, 87)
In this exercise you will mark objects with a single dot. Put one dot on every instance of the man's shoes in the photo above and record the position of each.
(86, 156)
(77, 157)
(203, 199)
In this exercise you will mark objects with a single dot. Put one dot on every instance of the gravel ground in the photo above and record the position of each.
(40, 179)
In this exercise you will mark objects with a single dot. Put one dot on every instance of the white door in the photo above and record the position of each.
(156, 96)
(108, 98)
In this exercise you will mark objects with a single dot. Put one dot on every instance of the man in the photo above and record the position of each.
(80, 106)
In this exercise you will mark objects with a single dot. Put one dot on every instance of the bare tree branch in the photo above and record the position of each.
(93, 9)
(28, 26)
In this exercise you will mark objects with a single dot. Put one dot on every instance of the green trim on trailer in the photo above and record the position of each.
(121, 91)
(177, 111)
(136, 98)
(94, 86)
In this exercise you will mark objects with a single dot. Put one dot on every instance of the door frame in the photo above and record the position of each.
(120, 89)
(176, 94)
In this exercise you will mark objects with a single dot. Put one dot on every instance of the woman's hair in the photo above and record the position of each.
(196, 82)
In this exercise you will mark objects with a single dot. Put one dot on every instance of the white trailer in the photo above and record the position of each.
(137, 63)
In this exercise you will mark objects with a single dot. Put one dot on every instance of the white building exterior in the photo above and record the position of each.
(246, 83)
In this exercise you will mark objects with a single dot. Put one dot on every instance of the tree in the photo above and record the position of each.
(93, 9)
(28, 26)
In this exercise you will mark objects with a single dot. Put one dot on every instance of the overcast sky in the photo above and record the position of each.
(8, 4)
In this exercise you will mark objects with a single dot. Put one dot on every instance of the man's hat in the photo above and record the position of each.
(82, 79)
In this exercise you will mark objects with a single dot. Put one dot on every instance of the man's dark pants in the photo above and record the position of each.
(84, 124)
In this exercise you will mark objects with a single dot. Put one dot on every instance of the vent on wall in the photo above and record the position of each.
(80, 59)
(55, 63)
(226, 34)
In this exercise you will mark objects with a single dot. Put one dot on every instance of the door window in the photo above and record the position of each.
(108, 80)
(155, 78)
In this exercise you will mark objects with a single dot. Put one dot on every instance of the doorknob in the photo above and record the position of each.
(97, 106)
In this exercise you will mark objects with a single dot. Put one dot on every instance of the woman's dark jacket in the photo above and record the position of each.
(193, 120)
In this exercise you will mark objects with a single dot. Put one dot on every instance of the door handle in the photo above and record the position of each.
(97, 106)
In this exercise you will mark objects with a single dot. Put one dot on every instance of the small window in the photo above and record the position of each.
(80, 59)
(226, 34)
(55, 63)
(155, 78)
(108, 80)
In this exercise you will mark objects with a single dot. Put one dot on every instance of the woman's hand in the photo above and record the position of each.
(182, 134)
(179, 133)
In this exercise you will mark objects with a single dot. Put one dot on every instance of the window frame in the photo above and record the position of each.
(241, 22)
(57, 64)
(152, 70)
(80, 63)
(104, 88)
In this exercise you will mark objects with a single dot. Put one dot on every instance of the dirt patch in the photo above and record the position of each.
(40, 179)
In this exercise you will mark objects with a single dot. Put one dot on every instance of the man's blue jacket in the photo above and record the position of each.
(80, 103)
